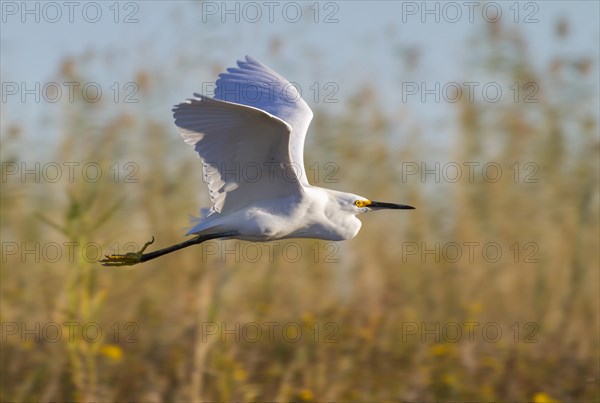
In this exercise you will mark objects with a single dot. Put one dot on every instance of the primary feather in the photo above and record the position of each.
(250, 135)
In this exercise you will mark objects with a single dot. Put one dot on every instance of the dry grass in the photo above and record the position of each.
(356, 315)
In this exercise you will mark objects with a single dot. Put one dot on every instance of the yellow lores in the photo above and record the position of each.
(362, 203)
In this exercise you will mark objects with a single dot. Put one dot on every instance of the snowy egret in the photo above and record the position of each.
(250, 138)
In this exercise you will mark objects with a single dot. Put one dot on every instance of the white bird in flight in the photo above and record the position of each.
(250, 138)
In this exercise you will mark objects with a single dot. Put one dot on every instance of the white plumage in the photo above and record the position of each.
(250, 138)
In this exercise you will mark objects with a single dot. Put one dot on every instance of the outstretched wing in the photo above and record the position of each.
(244, 151)
(256, 85)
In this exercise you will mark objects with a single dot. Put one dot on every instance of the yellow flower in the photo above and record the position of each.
(306, 394)
(112, 351)
(541, 397)
(475, 307)
(239, 374)
(308, 320)
(366, 333)
(439, 349)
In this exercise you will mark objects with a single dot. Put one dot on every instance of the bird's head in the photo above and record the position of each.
(359, 204)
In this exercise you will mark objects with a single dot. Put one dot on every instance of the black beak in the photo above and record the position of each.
(380, 205)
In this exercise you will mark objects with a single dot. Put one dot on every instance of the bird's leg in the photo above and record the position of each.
(131, 258)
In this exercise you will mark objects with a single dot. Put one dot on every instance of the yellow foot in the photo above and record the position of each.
(128, 259)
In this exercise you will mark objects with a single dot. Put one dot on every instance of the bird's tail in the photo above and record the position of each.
(198, 223)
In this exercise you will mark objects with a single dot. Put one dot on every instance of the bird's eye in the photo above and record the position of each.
(358, 203)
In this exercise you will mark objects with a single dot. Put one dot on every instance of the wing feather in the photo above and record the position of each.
(254, 84)
(244, 151)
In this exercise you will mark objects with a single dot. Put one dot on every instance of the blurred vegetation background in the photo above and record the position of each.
(357, 313)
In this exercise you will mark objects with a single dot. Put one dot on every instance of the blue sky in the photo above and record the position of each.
(346, 43)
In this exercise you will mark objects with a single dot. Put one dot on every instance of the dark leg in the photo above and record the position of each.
(131, 258)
